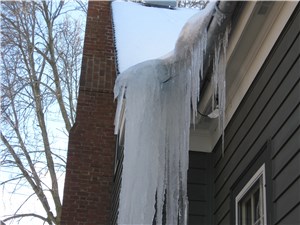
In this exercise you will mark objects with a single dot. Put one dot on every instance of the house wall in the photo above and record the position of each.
(199, 187)
(117, 184)
(89, 173)
(268, 116)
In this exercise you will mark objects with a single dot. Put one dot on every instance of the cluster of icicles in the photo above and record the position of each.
(161, 98)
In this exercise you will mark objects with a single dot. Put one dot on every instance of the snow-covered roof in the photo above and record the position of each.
(143, 33)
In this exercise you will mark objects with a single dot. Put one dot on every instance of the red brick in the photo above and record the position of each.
(89, 173)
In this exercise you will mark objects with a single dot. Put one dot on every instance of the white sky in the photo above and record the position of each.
(144, 33)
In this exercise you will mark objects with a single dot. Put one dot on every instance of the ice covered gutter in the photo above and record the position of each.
(161, 97)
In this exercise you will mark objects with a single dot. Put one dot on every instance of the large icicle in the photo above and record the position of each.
(159, 94)
(219, 81)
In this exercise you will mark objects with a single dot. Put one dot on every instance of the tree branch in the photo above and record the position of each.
(26, 215)
(39, 192)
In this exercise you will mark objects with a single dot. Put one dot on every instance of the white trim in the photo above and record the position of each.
(259, 173)
(278, 20)
(242, 80)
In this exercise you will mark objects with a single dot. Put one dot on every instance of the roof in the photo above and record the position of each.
(143, 33)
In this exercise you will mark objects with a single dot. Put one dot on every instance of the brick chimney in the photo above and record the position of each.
(89, 173)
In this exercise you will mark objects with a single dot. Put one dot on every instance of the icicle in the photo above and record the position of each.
(159, 94)
(219, 81)
(120, 97)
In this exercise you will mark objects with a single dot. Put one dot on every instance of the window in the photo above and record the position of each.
(250, 203)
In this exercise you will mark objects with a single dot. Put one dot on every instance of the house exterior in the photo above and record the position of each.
(254, 179)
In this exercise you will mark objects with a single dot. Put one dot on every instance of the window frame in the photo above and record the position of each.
(259, 174)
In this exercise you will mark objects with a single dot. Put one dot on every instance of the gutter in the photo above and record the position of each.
(216, 29)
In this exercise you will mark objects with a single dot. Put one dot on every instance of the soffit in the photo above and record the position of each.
(251, 40)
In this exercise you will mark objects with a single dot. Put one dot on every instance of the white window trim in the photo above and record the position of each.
(259, 173)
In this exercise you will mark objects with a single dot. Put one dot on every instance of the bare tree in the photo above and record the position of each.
(41, 48)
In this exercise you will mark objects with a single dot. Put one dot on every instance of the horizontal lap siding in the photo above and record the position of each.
(270, 110)
(117, 186)
(200, 188)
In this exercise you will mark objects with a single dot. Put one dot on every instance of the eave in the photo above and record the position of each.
(255, 30)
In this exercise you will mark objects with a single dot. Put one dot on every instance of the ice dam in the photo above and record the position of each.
(160, 98)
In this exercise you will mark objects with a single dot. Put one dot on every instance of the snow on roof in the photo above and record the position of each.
(143, 33)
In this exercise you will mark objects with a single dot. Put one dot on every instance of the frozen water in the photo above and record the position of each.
(159, 94)
(219, 81)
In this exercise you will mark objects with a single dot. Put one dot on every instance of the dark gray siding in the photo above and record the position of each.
(200, 188)
(269, 111)
(117, 183)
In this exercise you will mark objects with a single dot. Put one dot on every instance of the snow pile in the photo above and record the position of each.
(159, 94)
(144, 33)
